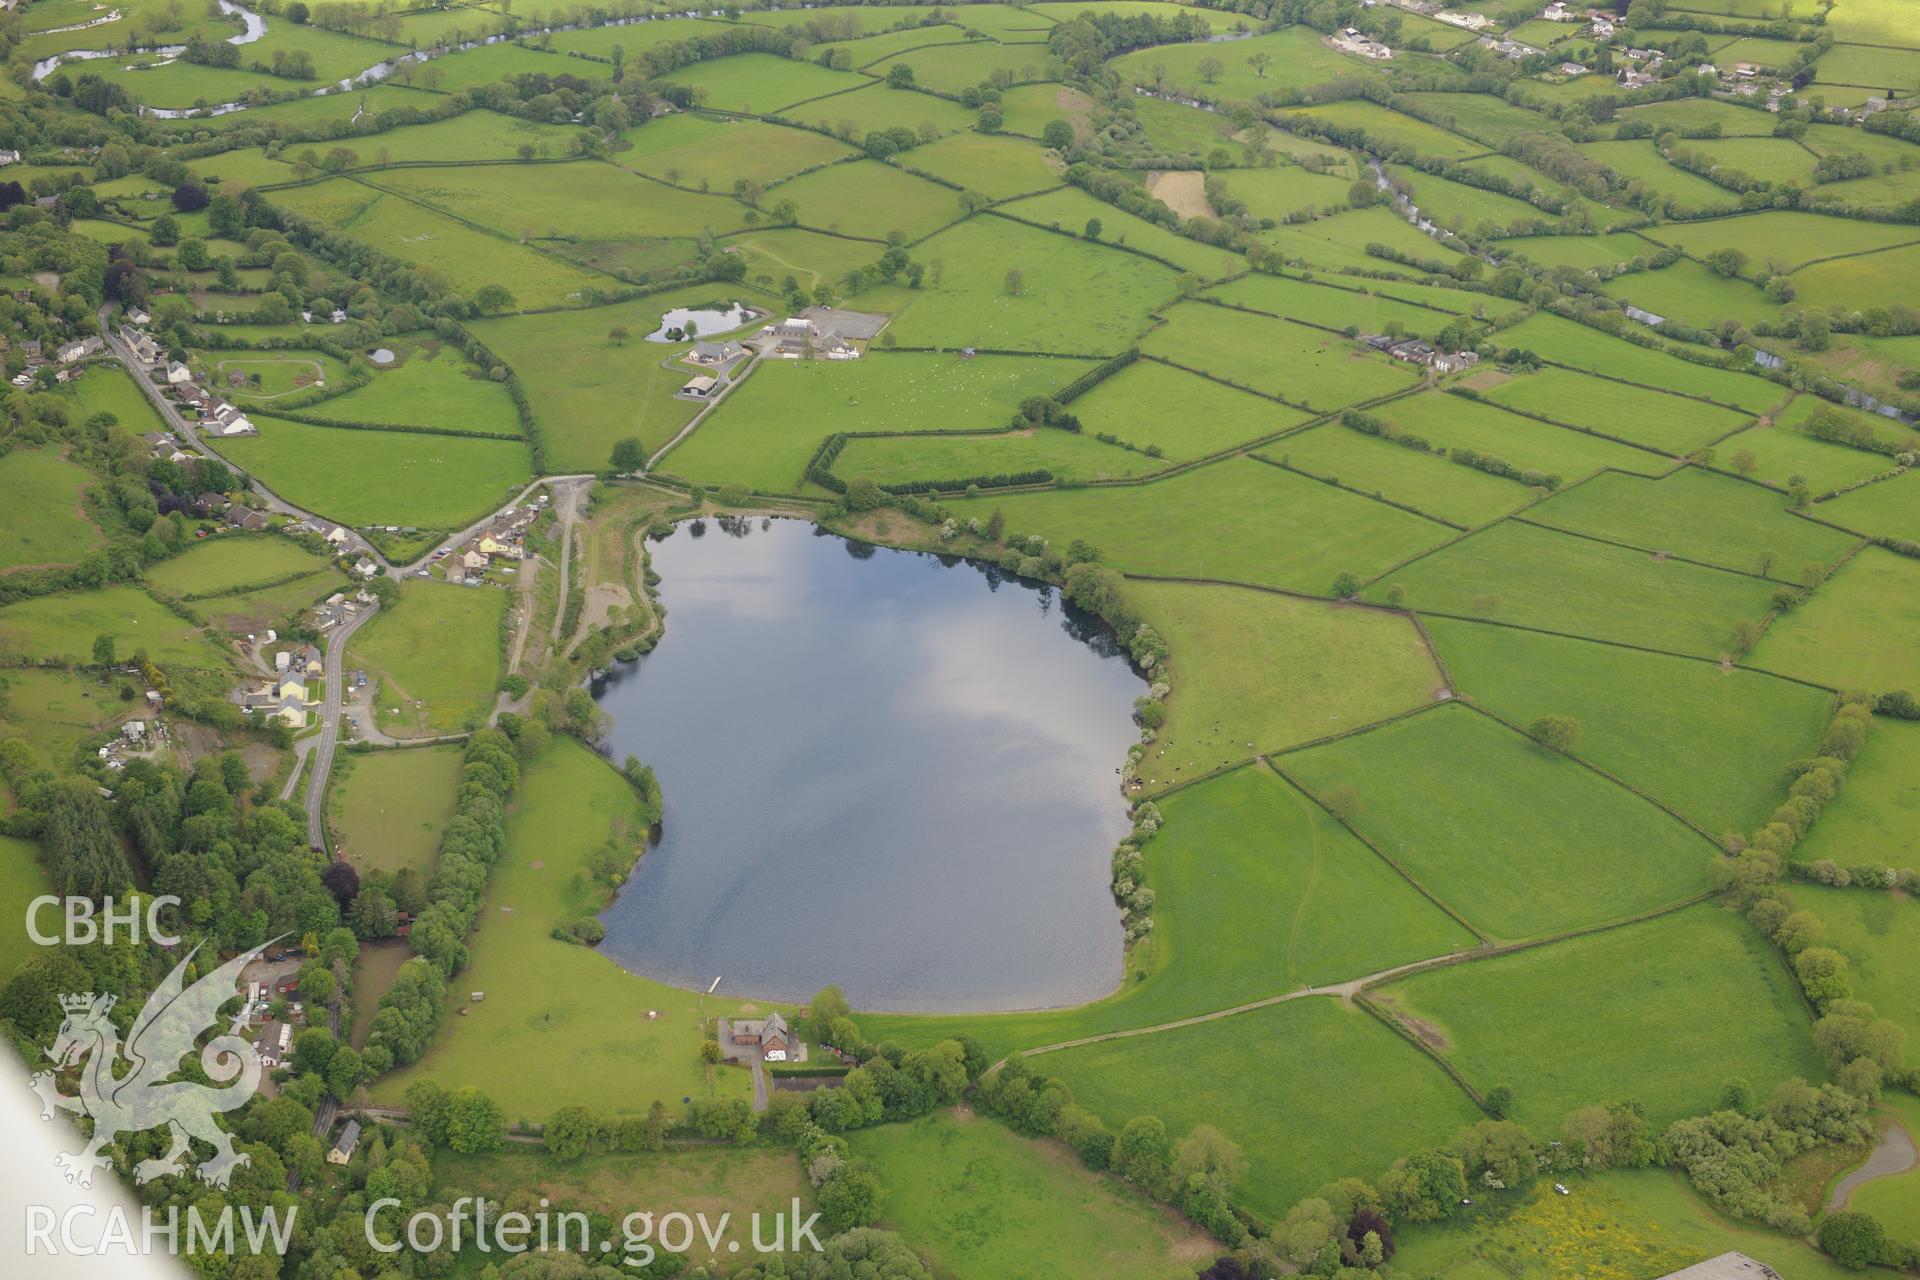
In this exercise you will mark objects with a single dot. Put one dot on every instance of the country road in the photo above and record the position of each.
(334, 678)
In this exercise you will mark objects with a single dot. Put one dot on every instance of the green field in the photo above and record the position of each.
(22, 879)
(1890, 509)
(688, 149)
(1075, 298)
(386, 810)
(1534, 577)
(1070, 210)
(1411, 477)
(1583, 252)
(232, 563)
(1854, 632)
(1690, 292)
(878, 107)
(1712, 742)
(1456, 422)
(1337, 304)
(947, 1173)
(1783, 240)
(1642, 167)
(1879, 933)
(1299, 59)
(603, 202)
(766, 430)
(998, 165)
(1781, 453)
(63, 626)
(432, 660)
(381, 477)
(1152, 404)
(1238, 520)
(430, 386)
(1698, 515)
(55, 712)
(546, 997)
(1260, 671)
(761, 83)
(1893, 1199)
(1874, 821)
(1565, 342)
(949, 68)
(1284, 1081)
(1621, 1014)
(1307, 367)
(1497, 827)
(870, 200)
(1068, 456)
(47, 523)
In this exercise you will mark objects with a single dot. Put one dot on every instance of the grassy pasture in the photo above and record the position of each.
(1311, 367)
(1769, 159)
(1335, 305)
(1884, 70)
(949, 68)
(1710, 741)
(1175, 128)
(1671, 424)
(587, 391)
(1463, 495)
(386, 810)
(1637, 161)
(381, 477)
(998, 165)
(812, 258)
(1566, 342)
(1893, 1200)
(867, 198)
(1151, 404)
(1536, 577)
(1877, 931)
(106, 389)
(1856, 631)
(547, 997)
(477, 135)
(432, 385)
(900, 459)
(1341, 242)
(603, 202)
(1621, 1014)
(1688, 291)
(1783, 239)
(281, 372)
(1260, 671)
(435, 656)
(1456, 204)
(55, 712)
(64, 625)
(232, 563)
(476, 67)
(1455, 422)
(1695, 113)
(441, 244)
(1700, 515)
(1286, 189)
(1479, 116)
(688, 148)
(876, 106)
(766, 430)
(1299, 59)
(1076, 297)
(945, 1173)
(1582, 252)
(46, 523)
(1217, 20)
(1283, 1080)
(1393, 128)
(879, 52)
(1501, 829)
(761, 82)
(1070, 209)
(22, 879)
(1889, 509)
(1869, 280)
(1781, 453)
(1236, 520)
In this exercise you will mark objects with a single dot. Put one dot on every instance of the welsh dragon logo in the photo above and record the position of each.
(147, 1095)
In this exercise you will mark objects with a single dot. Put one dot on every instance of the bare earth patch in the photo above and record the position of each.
(1182, 190)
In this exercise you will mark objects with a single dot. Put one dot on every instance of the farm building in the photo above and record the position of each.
(770, 1033)
(344, 1146)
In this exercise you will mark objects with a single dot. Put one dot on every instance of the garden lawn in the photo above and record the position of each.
(1698, 515)
(1149, 404)
(761, 83)
(1310, 368)
(1520, 840)
(1889, 509)
(1565, 342)
(869, 199)
(64, 626)
(1665, 1012)
(434, 657)
(1424, 481)
(1856, 631)
(1879, 933)
(46, 523)
(386, 809)
(955, 461)
(431, 386)
(1075, 297)
(549, 1000)
(588, 391)
(687, 148)
(1261, 671)
(1712, 742)
(1874, 821)
(1238, 520)
(1294, 1084)
(945, 1175)
(768, 428)
(381, 477)
(1535, 577)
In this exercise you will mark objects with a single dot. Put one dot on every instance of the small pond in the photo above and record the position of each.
(706, 321)
(882, 769)
(382, 356)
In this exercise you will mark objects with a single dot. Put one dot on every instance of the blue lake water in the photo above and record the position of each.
(882, 769)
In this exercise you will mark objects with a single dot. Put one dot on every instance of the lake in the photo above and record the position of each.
(886, 770)
(706, 321)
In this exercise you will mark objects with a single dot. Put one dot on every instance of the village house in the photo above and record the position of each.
(496, 543)
(338, 535)
(208, 505)
(79, 349)
(1468, 21)
(1557, 12)
(144, 348)
(1450, 363)
(9, 157)
(344, 1146)
(1602, 28)
(838, 348)
(769, 1033)
(714, 353)
(229, 421)
(137, 316)
(178, 373)
(1572, 69)
(246, 518)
